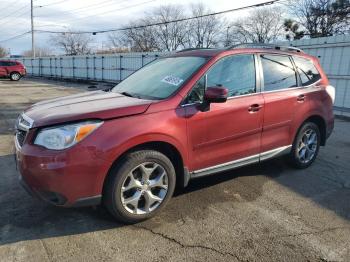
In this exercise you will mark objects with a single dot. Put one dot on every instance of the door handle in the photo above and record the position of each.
(301, 98)
(254, 108)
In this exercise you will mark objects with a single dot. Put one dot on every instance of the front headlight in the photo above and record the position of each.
(62, 137)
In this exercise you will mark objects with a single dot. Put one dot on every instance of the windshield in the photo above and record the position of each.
(161, 78)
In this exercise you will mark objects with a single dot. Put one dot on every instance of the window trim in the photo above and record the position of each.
(296, 68)
(262, 74)
(258, 87)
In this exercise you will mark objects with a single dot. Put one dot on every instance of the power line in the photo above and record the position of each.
(32, 26)
(17, 16)
(160, 23)
(109, 11)
(15, 37)
(74, 11)
(55, 3)
(12, 13)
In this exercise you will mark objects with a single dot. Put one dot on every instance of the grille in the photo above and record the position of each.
(24, 122)
(20, 136)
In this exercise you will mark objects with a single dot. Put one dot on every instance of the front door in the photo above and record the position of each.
(227, 131)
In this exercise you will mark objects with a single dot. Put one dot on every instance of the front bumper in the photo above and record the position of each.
(62, 178)
(59, 200)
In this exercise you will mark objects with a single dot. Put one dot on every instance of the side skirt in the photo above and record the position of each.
(242, 162)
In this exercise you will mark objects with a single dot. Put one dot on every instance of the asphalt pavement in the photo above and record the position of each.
(265, 212)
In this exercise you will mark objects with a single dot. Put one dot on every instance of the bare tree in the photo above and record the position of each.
(153, 32)
(142, 39)
(261, 26)
(204, 32)
(72, 44)
(39, 51)
(3, 52)
(322, 17)
(170, 36)
(111, 50)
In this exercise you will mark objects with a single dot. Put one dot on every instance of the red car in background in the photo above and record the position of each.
(12, 69)
(191, 114)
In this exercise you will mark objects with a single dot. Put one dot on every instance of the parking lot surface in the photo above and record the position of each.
(265, 212)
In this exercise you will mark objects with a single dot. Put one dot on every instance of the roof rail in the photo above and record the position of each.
(267, 46)
(193, 49)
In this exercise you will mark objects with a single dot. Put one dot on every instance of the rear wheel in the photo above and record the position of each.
(15, 76)
(139, 186)
(306, 146)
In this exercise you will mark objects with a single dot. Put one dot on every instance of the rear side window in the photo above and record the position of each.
(307, 71)
(279, 72)
(7, 63)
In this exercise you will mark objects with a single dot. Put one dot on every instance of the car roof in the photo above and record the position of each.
(204, 52)
(244, 48)
(4, 60)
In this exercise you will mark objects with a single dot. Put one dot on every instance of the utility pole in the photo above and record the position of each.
(32, 27)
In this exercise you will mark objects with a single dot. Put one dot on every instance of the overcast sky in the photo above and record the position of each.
(84, 15)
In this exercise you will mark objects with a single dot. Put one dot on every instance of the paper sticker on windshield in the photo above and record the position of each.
(172, 80)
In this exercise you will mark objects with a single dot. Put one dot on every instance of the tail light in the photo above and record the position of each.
(331, 92)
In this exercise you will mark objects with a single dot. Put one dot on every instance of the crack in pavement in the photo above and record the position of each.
(314, 232)
(49, 256)
(173, 240)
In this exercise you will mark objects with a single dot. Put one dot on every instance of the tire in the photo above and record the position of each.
(15, 76)
(120, 187)
(305, 146)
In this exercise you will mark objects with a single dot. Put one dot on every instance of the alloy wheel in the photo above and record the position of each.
(16, 76)
(307, 146)
(144, 188)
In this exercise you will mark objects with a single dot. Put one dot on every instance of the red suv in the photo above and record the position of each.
(188, 115)
(12, 69)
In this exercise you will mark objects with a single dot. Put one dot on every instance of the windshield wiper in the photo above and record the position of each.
(127, 94)
(131, 95)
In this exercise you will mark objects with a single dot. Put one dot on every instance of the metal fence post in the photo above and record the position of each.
(102, 65)
(87, 66)
(31, 62)
(120, 68)
(50, 67)
(94, 64)
(40, 64)
(73, 59)
(61, 67)
(55, 66)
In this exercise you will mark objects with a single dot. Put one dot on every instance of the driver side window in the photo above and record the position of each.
(236, 73)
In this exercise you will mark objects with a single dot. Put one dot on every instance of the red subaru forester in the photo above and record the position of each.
(12, 69)
(184, 116)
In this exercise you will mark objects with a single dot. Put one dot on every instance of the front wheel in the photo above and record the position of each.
(15, 76)
(139, 186)
(306, 146)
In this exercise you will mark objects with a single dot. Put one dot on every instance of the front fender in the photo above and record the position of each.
(123, 134)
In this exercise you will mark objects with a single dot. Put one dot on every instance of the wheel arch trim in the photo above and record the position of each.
(151, 141)
(320, 121)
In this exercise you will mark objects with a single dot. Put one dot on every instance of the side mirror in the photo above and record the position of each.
(216, 94)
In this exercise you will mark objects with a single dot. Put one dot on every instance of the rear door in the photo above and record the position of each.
(283, 99)
(228, 131)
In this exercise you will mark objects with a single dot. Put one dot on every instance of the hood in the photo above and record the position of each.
(88, 105)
